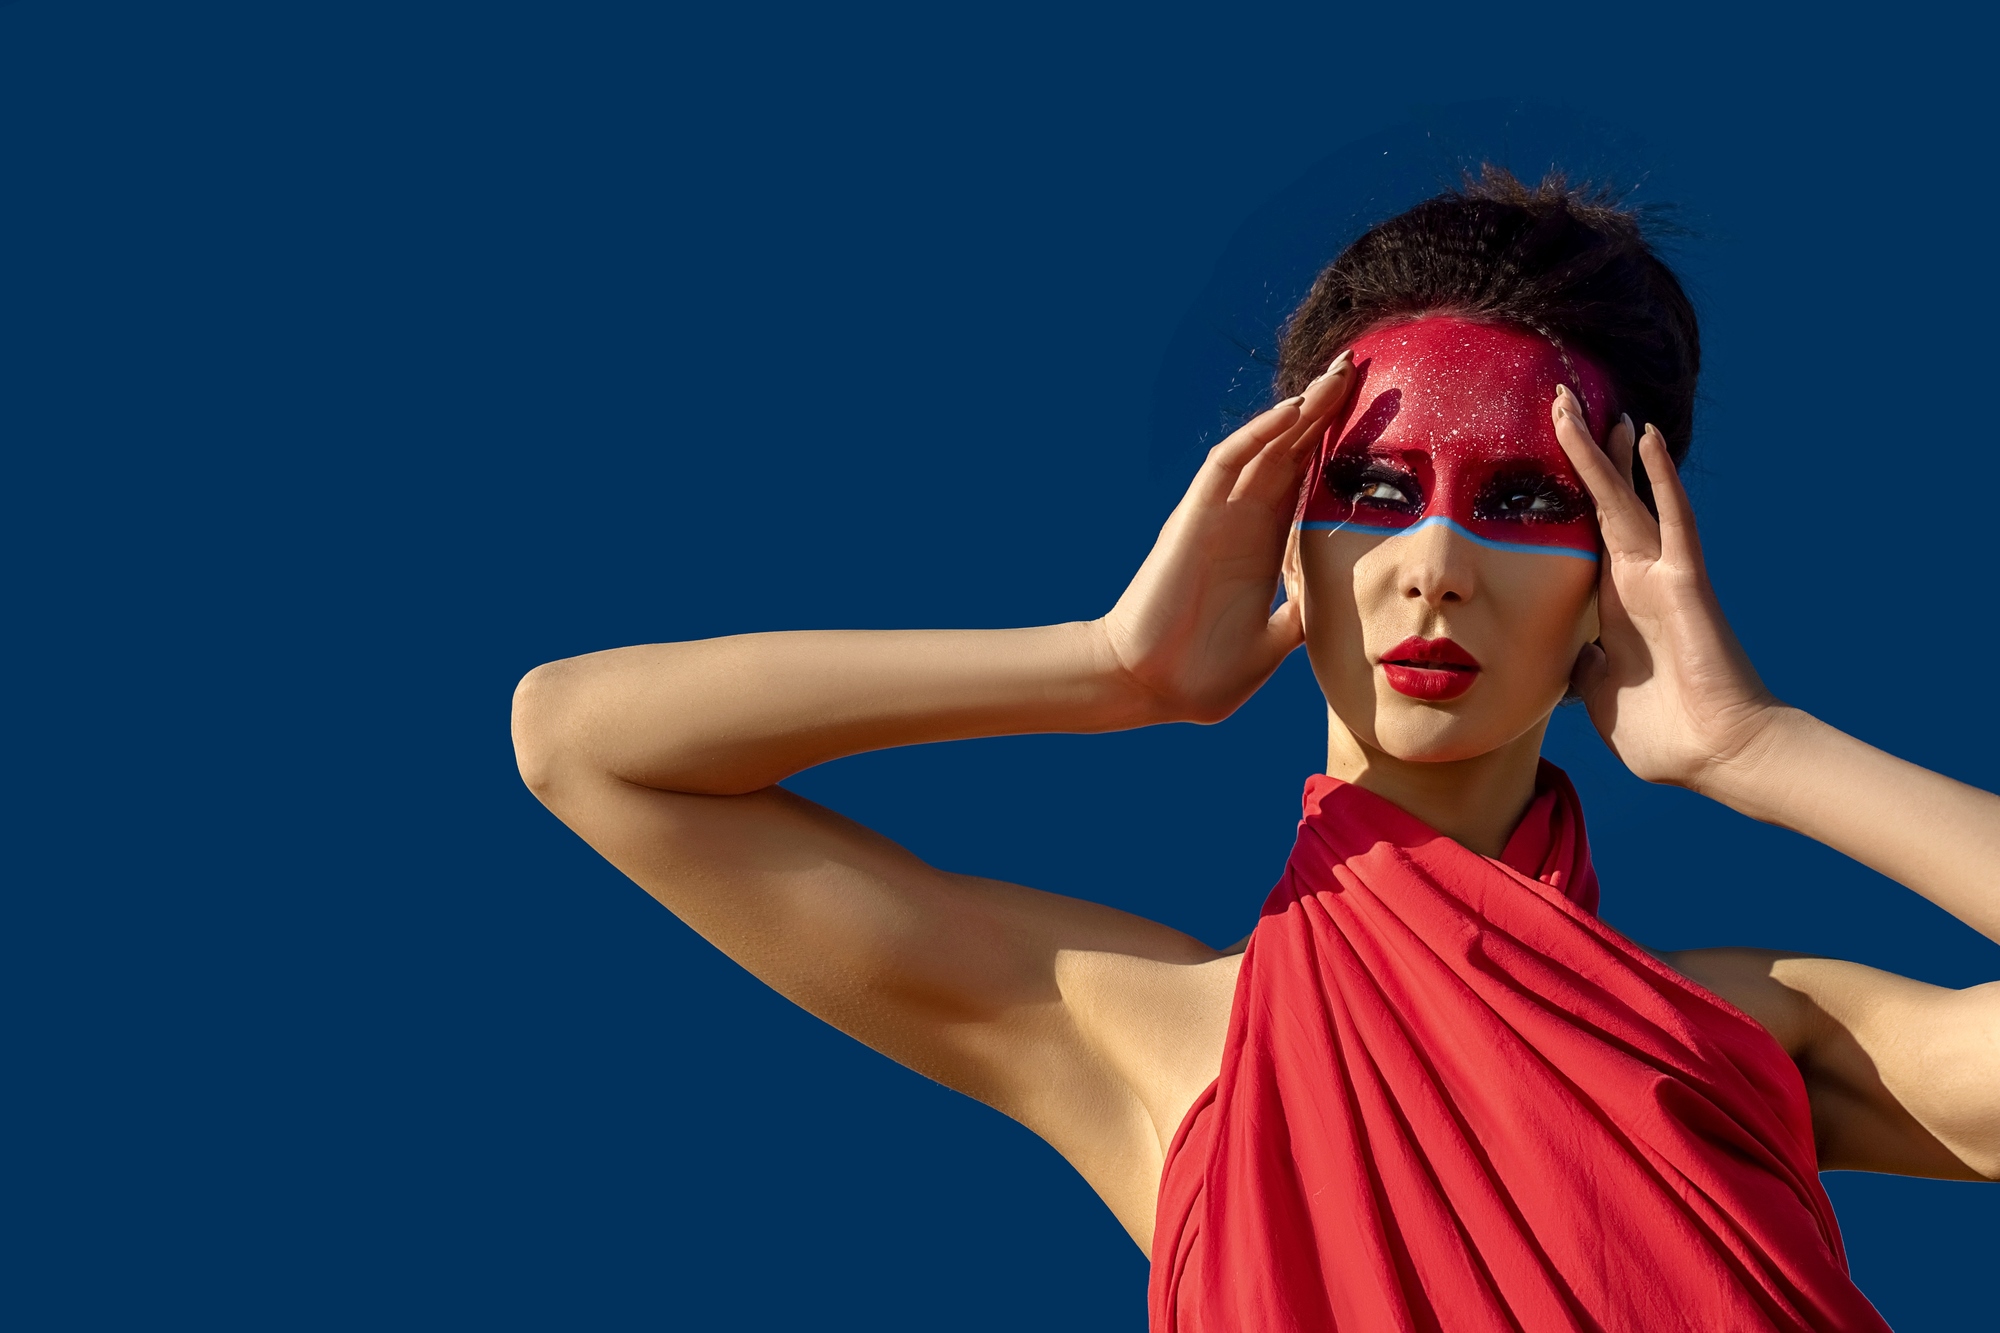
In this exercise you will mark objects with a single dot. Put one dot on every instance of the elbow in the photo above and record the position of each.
(543, 728)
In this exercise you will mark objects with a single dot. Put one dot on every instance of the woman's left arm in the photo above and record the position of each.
(1921, 829)
(1905, 1076)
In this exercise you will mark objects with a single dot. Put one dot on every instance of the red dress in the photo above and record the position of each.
(1453, 1099)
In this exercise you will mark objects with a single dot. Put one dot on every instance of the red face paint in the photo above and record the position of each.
(1451, 427)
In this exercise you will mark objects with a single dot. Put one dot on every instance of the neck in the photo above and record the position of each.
(1475, 802)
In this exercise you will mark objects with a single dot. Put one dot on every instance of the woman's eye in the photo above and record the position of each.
(1376, 484)
(1534, 497)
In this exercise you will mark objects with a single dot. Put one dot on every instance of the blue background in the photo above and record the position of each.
(355, 358)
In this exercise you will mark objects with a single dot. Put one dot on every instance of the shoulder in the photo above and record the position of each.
(1901, 1074)
(1751, 980)
(1803, 999)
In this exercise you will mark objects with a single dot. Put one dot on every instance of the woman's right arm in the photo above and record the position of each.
(1067, 1015)
(724, 717)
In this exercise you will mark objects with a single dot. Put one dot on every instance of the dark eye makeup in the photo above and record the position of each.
(1528, 495)
(1375, 483)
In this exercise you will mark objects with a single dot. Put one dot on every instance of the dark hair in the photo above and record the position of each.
(1568, 262)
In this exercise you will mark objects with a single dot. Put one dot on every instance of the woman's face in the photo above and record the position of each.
(1446, 555)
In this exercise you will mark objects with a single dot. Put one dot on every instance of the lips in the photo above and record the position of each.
(1429, 669)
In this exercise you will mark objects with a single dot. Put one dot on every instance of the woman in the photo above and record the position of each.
(1431, 1090)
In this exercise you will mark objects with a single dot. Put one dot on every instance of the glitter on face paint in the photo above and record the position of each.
(1451, 427)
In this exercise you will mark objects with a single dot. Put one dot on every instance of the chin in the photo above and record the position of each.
(1442, 733)
(1433, 740)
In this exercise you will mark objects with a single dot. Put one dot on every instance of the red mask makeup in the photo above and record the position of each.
(1451, 427)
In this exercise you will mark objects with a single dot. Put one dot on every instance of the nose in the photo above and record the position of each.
(1437, 565)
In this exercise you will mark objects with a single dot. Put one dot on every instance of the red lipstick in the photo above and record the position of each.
(1429, 668)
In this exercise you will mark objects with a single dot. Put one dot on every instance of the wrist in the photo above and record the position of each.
(1123, 698)
(1744, 772)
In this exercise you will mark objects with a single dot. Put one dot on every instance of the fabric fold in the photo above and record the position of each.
(1451, 1098)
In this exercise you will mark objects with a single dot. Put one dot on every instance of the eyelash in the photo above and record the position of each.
(1348, 478)
(1562, 502)
(1559, 503)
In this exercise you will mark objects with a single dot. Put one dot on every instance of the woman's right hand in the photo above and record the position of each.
(1191, 639)
(1194, 634)
(666, 757)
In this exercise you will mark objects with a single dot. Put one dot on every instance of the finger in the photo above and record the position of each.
(1226, 461)
(1332, 387)
(1678, 540)
(1626, 524)
(1273, 475)
(1285, 422)
(1620, 445)
(1324, 399)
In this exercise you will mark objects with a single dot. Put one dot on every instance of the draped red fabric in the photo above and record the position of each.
(1453, 1099)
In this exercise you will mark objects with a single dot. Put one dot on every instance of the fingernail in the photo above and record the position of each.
(1340, 363)
(1626, 417)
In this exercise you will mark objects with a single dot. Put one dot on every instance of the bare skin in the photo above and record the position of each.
(1098, 1029)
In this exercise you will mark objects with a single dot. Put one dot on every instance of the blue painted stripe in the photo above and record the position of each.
(1439, 520)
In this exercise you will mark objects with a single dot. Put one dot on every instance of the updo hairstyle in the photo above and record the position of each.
(1570, 263)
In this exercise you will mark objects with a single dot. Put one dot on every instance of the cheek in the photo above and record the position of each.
(1546, 607)
(1325, 579)
(1336, 597)
(1534, 611)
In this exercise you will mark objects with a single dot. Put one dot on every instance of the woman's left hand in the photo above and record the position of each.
(1903, 1075)
(1667, 684)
